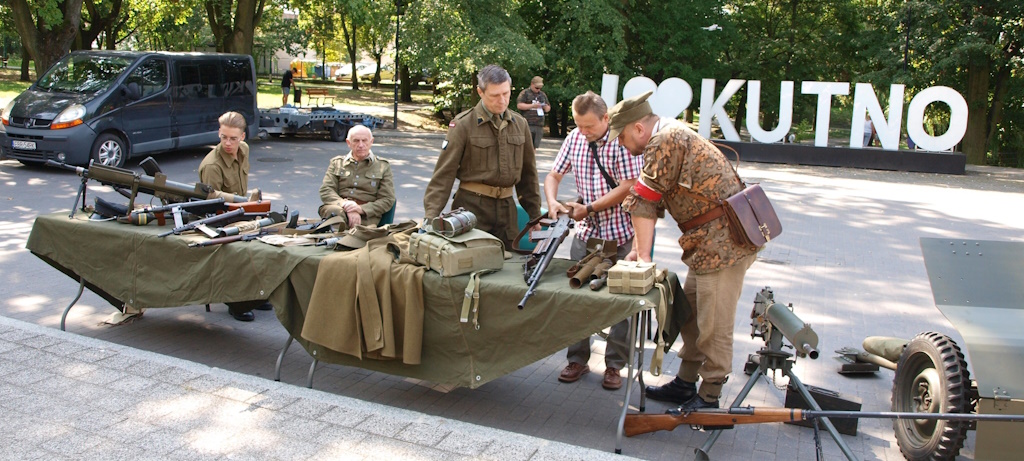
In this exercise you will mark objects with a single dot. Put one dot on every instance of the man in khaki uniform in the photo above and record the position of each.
(686, 174)
(226, 170)
(489, 150)
(226, 167)
(358, 186)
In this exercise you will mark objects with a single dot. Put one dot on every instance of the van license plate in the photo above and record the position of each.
(24, 145)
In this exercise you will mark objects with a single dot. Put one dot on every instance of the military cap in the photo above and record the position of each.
(628, 111)
(357, 236)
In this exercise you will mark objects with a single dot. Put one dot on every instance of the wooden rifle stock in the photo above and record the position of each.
(643, 423)
(722, 418)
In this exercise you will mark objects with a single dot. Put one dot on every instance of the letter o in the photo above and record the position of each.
(957, 118)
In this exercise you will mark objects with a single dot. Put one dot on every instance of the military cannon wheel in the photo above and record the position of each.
(931, 377)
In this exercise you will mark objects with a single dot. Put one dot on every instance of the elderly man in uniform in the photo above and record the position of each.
(358, 186)
(685, 174)
(488, 149)
(604, 173)
(226, 170)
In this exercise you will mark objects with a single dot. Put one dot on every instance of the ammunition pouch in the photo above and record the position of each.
(469, 252)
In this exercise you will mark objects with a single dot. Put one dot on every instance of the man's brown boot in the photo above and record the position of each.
(612, 380)
(572, 372)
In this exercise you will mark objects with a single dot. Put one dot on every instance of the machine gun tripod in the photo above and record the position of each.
(774, 322)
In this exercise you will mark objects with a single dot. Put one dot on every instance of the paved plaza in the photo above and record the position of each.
(183, 383)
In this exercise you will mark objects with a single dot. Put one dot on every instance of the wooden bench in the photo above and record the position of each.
(317, 94)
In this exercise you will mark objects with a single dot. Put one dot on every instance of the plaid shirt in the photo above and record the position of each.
(612, 223)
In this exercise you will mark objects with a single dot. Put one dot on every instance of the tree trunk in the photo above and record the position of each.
(234, 34)
(995, 116)
(975, 142)
(405, 86)
(25, 58)
(47, 43)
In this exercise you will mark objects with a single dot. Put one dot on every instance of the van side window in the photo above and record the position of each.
(199, 79)
(238, 77)
(151, 76)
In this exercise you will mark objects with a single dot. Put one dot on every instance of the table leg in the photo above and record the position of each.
(280, 358)
(81, 288)
(309, 377)
(629, 381)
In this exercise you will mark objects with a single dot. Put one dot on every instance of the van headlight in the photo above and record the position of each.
(5, 116)
(72, 116)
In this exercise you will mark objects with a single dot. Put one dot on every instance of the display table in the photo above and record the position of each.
(131, 264)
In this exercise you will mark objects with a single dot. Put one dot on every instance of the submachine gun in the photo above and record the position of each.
(547, 244)
(157, 185)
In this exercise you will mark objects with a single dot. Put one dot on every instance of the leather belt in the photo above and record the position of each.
(486, 190)
(703, 219)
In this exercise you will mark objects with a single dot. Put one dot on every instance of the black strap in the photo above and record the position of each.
(607, 177)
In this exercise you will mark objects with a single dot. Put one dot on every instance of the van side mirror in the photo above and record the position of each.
(131, 91)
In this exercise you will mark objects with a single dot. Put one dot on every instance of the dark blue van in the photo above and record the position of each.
(108, 106)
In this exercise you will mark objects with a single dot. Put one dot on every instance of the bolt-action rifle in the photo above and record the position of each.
(726, 418)
(547, 244)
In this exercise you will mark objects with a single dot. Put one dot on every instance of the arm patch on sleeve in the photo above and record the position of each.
(645, 191)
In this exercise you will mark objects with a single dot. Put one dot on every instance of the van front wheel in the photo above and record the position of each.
(109, 150)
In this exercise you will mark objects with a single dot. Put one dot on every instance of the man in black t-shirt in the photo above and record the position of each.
(286, 85)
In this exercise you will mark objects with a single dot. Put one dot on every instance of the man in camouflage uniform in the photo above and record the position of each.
(358, 186)
(488, 149)
(686, 174)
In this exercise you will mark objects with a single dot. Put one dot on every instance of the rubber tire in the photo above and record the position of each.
(931, 377)
(339, 131)
(107, 145)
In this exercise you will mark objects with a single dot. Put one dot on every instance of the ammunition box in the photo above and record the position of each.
(829, 401)
(631, 277)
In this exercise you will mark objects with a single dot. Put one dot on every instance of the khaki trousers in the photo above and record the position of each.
(707, 336)
(495, 216)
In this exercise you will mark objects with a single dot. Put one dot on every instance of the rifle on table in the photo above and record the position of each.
(726, 418)
(145, 216)
(547, 244)
(205, 222)
(158, 185)
(244, 232)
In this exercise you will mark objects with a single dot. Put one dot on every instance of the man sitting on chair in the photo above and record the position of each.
(358, 186)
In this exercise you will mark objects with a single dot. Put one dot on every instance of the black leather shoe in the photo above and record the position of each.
(244, 316)
(265, 307)
(697, 403)
(676, 391)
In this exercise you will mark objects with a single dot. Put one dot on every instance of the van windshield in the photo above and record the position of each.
(83, 73)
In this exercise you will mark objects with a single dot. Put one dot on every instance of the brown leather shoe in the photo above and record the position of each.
(612, 380)
(572, 372)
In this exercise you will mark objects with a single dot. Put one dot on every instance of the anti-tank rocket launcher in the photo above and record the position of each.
(157, 185)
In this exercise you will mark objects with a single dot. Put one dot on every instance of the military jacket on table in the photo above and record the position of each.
(483, 149)
(369, 182)
(679, 163)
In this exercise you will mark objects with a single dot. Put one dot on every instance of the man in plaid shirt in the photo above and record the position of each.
(586, 152)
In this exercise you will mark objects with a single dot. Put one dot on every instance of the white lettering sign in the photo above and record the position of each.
(674, 95)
